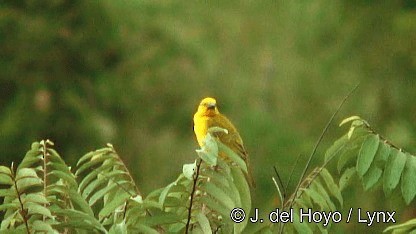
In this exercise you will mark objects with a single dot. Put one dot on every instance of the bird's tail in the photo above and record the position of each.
(249, 177)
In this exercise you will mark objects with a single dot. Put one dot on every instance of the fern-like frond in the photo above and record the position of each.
(25, 205)
(318, 192)
(200, 200)
(364, 154)
(106, 184)
(220, 188)
(375, 160)
(44, 194)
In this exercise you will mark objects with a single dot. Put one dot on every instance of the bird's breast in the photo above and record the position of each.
(200, 128)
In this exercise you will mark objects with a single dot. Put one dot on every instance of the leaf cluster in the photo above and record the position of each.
(42, 194)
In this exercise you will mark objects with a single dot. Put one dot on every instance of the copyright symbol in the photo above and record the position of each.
(237, 215)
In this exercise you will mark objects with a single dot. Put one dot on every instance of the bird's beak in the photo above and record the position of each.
(211, 106)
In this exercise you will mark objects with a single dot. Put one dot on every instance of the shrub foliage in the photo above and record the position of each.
(42, 194)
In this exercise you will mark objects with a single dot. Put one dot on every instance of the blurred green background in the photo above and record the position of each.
(129, 72)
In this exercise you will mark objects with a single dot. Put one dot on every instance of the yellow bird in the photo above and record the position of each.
(208, 116)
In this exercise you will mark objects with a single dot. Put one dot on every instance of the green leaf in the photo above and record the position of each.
(137, 198)
(7, 192)
(34, 151)
(244, 190)
(317, 198)
(96, 184)
(330, 183)
(164, 193)
(214, 205)
(393, 171)
(177, 228)
(233, 156)
(382, 154)
(209, 151)
(371, 177)
(5, 170)
(207, 157)
(80, 220)
(68, 178)
(160, 219)
(100, 193)
(7, 206)
(29, 161)
(188, 170)
(322, 191)
(35, 208)
(35, 146)
(25, 173)
(56, 166)
(173, 202)
(19, 230)
(96, 159)
(92, 154)
(43, 227)
(224, 180)
(27, 178)
(337, 148)
(358, 127)
(408, 185)
(349, 119)
(302, 203)
(347, 157)
(79, 202)
(220, 178)
(156, 193)
(403, 227)
(213, 130)
(5, 177)
(118, 228)
(220, 195)
(367, 152)
(304, 200)
(5, 180)
(300, 227)
(179, 190)
(55, 157)
(140, 228)
(92, 175)
(349, 153)
(113, 204)
(12, 219)
(35, 197)
(203, 223)
(345, 179)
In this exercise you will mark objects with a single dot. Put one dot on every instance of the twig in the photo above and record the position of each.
(292, 172)
(196, 175)
(45, 173)
(280, 184)
(22, 212)
(314, 150)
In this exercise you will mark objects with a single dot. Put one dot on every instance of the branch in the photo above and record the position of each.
(196, 175)
(23, 211)
(315, 148)
(45, 172)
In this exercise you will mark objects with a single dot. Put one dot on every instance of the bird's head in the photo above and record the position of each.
(208, 107)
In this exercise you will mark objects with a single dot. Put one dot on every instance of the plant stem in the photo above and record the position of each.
(196, 175)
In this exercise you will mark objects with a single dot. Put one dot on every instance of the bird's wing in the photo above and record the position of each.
(238, 144)
(232, 139)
